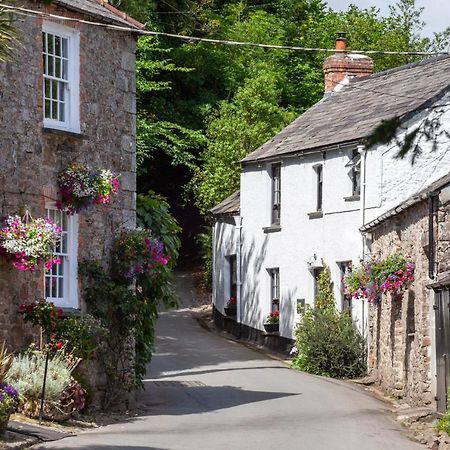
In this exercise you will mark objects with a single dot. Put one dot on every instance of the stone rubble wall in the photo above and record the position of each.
(399, 326)
(31, 156)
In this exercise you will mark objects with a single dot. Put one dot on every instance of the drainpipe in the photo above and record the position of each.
(363, 152)
(238, 223)
(431, 249)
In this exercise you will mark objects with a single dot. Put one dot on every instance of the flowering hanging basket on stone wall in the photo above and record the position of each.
(392, 274)
(29, 242)
(81, 187)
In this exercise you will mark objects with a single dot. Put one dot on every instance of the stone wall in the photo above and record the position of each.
(399, 326)
(31, 156)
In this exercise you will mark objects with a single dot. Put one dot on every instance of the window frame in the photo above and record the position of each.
(355, 172)
(319, 187)
(70, 282)
(232, 262)
(276, 194)
(275, 285)
(72, 91)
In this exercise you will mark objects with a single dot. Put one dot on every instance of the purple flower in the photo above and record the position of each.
(8, 389)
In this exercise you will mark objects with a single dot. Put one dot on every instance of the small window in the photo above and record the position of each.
(275, 289)
(345, 268)
(355, 172)
(319, 187)
(60, 54)
(61, 285)
(276, 194)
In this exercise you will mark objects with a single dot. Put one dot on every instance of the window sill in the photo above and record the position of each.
(61, 132)
(315, 215)
(272, 229)
(352, 198)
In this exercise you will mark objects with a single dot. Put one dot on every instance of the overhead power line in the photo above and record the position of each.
(30, 12)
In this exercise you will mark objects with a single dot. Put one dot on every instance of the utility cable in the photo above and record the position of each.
(30, 12)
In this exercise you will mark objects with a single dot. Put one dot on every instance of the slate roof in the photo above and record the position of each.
(353, 113)
(413, 200)
(231, 205)
(101, 10)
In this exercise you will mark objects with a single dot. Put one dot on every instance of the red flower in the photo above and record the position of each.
(60, 312)
(59, 345)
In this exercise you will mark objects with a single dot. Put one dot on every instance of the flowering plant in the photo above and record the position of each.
(43, 314)
(232, 302)
(138, 252)
(273, 317)
(30, 242)
(81, 186)
(374, 278)
(9, 400)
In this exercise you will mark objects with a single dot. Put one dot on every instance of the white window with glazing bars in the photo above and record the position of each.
(61, 285)
(60, 61)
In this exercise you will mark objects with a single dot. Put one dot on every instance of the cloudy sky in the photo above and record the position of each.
(436, 13)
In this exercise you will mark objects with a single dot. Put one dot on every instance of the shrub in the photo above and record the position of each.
(327, 341)
(329, 344)
(27, 374)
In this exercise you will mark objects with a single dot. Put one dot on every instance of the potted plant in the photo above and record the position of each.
(272, 323)
(29, 242)
(80, 187)
(231, 308)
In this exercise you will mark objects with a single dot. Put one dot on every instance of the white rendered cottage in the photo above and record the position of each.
(305, 194)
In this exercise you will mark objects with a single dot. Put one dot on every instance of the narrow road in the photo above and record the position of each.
(206, 393)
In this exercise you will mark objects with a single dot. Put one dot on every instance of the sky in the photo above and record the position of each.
(436, 13)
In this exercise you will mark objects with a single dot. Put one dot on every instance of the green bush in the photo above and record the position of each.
(327, 341)
(443, 423)
(329, 344)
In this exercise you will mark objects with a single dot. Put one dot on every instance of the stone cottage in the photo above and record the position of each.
(66, 96)
(408, 333)
(306, 192)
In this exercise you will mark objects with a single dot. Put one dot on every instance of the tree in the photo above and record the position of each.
(8, 34)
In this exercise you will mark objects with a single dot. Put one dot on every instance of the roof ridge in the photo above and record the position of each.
(123, 15)
(422, 62)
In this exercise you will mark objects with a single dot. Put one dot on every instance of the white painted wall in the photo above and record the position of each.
(335, 237)
(224, 246)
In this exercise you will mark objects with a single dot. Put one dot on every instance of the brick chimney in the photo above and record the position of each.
(342, 64)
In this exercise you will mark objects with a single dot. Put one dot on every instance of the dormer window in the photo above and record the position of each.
(60, 61)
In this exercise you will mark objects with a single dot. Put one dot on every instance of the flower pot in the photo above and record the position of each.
(230, 311)
(3, 425)
(272, 327)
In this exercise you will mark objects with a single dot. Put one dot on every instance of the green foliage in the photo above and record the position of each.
(8, 34)
(325, 297)
(443, 423)
(127, 302)
(153, 213)
(205, 241)
(327, 341)
(329, 344)
(76, 334)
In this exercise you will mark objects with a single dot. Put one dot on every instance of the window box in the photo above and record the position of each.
(352, 198)
(272, 229)
(230, 311)
(272, 327)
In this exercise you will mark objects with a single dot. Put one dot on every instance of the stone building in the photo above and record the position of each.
(306, 192)
(66, 96)
(408, 333)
